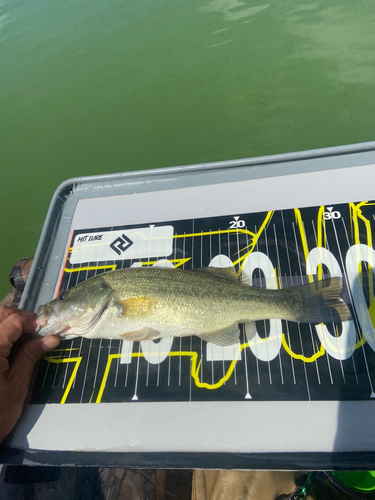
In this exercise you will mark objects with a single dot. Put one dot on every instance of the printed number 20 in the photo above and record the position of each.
(236, 223)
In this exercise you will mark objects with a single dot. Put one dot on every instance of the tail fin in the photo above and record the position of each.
(317, 302)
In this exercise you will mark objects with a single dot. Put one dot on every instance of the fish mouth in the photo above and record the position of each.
(49, 324)
(43, 315)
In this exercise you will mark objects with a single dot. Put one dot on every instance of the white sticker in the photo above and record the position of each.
(137, 243)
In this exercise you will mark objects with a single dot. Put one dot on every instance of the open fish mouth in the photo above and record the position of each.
(43, 315)
(47, 323)
(42, 321)
(49, 326)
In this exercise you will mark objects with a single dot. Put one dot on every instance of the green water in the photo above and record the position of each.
(93, 87)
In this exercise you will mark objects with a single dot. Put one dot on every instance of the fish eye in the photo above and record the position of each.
(63, 295)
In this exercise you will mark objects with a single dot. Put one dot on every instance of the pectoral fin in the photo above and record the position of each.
(227, 336)
(144, 334)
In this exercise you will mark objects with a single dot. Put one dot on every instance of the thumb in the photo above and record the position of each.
(27, 357)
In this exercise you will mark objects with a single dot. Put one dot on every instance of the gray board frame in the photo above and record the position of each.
(50, 254)
(50, 250)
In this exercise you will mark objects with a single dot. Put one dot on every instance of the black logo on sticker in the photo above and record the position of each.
(121, 244)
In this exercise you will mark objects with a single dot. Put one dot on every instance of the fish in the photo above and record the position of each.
(149, 303)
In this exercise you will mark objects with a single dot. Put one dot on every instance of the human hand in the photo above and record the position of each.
(15, 376)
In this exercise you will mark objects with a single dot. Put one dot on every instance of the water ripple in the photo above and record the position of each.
(227, 7)
(3, 17)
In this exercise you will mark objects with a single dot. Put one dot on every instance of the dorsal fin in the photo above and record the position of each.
(227, 273)
(245, 279)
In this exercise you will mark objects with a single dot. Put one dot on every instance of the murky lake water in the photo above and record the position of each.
(91, 87)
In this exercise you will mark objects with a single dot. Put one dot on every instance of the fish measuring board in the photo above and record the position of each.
(280, 221)
(275, 361)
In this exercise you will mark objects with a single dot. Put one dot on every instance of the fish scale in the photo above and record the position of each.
(150, 303)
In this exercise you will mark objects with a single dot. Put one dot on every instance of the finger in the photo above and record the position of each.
(4, 367)
(12, 328)
(5, 312)
(27, 357)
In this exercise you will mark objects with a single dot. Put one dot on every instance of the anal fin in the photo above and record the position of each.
(227, 336)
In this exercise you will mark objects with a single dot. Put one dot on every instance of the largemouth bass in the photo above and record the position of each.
(151, 303)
